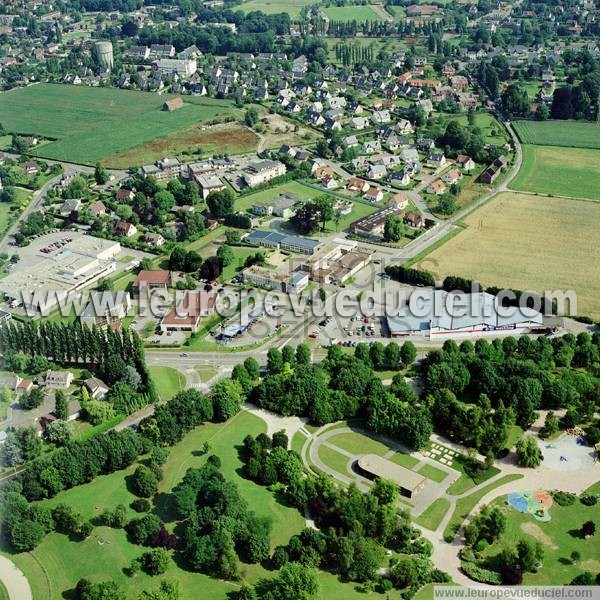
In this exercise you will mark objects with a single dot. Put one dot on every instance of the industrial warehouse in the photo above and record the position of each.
(468, 314)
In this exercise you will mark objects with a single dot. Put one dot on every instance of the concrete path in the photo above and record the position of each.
(14, 581)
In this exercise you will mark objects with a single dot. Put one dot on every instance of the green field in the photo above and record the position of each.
(527, 242)
(352, 13)
(576, 134)
(432, 516)
(551, 170)
(559, 537)
(90, 124)
(333, 459)
(168, 381)
(357, 443)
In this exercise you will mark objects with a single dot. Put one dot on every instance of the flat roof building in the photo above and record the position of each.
(374, 467)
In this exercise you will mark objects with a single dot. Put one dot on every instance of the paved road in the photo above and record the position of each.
(14, 581)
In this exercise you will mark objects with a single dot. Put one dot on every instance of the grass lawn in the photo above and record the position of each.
(333, 459)
(168, 381)
(357, 443)
(241, 254)
(502, 247)
(298, 442)
(565, 172)
(352, 13)
(3, 592)
(559, 537)
(432, 516)
(514, 434)
(404, 460)
(465, 505)
(493, 132)
(262, 197)
(106, 552)
(90, 123)
(432, 473)
(577, 134)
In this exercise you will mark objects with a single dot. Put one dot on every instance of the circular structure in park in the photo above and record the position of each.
(536, 503)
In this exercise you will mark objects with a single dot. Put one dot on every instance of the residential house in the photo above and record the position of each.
(377, 172)
(125, 229)
(359, 123)
(400, 178)
(436, 187)
(466, 163)
(58, 379)
(69, 206)
(149, 281)
(371, 147)
(436, 160)
(124, 195)
(96, 387)
(357, 185)
(154, 239)
(414, 220)
(451, 177)
(97, 208)
(373, 194)
(381, 117)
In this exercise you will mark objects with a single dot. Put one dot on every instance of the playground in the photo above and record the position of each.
(536, 503)
(567, 453)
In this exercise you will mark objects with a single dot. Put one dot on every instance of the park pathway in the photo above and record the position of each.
(14, 581)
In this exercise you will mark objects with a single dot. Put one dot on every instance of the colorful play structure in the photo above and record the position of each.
(536, 503)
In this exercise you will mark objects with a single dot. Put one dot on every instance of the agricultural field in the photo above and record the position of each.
(527, 242)
(271, 7)
(89, 124)
(553, 170)
(575, 134)
(353, 13)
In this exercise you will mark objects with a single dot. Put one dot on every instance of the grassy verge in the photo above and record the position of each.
(168, 381)
(433, 515)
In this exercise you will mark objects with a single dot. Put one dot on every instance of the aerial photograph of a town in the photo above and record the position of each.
(299, 299)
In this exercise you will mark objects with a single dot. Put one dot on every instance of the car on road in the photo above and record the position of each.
(183, 354)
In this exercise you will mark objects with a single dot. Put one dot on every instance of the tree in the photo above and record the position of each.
(588, 529)
(252, 367)
(155, 562)
(227, 398)
(221, 203)
(32, 399)
(306, 220)
(141, 529)
(59, 432)
(144, 482)
(529, 552)
(104, 590)
(528, 452)
(324, 205)
(303, 355)
(294, 581)
(225, 255)
(408, 353)
(455, 136)
(251, 116)
(26, 535)
(515, 101)
(550, 425)
(274, 361)
(394, 228)
(447, 203)
(100, 174)
(562, 103)
(386, 491)
(61, 409)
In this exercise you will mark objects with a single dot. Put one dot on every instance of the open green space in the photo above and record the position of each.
(333, 459)
(432, 473)
(206, 372)
(492, 131)
(557, 171)
(465, 505)
(107, 551)
(352, 13)
(91, 123)
(432, 516)
(240, 255)
(559, 538)
(168, 381)
(358, 443)
(575, 134)
(3, 592)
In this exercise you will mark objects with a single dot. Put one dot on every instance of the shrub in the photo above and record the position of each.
(141, 505)
(564, 498)
(480, 574)
(589, 500)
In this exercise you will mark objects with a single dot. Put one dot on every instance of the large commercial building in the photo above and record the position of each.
(174, 66)
(78, 264)
(373, 225)
(445, 314)
(373, 467)
(187, 314)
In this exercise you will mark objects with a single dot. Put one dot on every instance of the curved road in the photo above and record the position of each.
(14, 581)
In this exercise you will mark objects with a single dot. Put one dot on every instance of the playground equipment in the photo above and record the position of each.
(536, 503)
